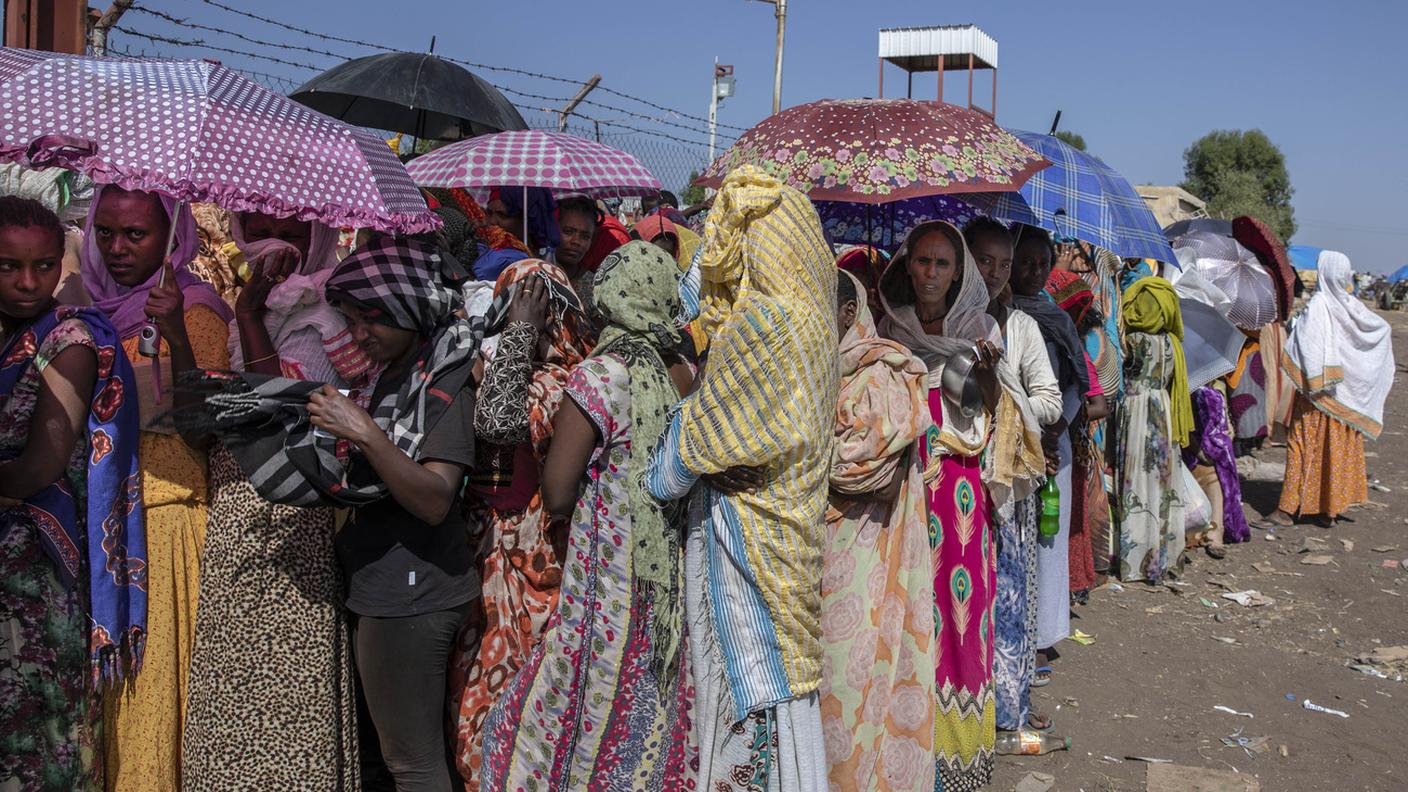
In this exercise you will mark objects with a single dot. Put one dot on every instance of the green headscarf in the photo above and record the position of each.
(636, 294)
(1150, 305)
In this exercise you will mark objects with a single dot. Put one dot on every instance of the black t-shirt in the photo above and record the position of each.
(397, 565)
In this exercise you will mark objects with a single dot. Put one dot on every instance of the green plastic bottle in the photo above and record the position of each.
(1050, 522)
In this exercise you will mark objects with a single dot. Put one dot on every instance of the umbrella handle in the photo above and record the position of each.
(170, 241)
(525, 214)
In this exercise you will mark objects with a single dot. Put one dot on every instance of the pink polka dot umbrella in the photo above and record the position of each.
(198, 131)
(533, 158)
(875, 151)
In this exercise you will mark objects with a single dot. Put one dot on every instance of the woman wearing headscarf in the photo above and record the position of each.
(483, 230)
(1153, 422)
(1027, 377)
(1339, 356)
(878, 688)
(1033, 257)
(616, 711)
(73, 604)
(305, 736)
(867, 263)
(659, 231)
(408, 440)
(505, 210)
(758, 431)
(521, 553)
(124, 248)
(1100, 269)
(1090, 508)
(936, 304)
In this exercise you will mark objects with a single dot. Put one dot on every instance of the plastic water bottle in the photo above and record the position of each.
(1029, 743)
(1050, 523)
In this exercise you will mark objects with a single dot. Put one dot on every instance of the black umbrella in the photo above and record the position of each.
(1204, 224)
(416, 93)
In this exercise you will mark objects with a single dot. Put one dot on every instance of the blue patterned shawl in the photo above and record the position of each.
(110, 531)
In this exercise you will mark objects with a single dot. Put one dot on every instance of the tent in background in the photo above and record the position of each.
(1303, 257)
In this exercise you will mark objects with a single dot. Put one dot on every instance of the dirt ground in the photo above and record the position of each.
(1162, 660)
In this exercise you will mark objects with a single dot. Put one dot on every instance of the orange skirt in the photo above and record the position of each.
(1324, 464)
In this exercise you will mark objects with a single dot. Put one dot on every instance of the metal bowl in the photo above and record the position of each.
(960, 382)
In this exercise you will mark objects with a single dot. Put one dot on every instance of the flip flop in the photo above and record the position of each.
(1037, 680)
(1033, 719)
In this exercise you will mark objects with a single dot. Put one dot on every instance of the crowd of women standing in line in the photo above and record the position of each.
(563, 505)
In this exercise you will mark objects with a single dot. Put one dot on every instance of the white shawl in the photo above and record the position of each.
(1339, 353)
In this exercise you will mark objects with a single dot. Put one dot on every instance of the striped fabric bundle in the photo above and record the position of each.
(264, 420)
(768, 399)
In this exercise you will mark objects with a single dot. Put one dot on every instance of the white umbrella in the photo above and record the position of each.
(1224, 263)
(1211, 343)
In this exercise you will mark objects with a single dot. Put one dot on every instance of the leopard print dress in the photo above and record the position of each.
(271, 689)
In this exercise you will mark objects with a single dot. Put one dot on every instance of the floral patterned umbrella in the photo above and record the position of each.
(880, 150)
(199, 132)
(885, 225)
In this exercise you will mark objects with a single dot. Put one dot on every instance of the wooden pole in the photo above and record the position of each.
(98, 36)
(587, 88)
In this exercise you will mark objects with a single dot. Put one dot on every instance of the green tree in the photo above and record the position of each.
(692, 194)
(1241, 173)
(1072, 139)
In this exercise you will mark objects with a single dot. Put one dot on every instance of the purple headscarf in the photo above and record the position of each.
(124, 305)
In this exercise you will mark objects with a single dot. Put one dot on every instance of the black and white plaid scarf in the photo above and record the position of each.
(264, 420)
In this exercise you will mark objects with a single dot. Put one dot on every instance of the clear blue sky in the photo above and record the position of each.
(1324, 80)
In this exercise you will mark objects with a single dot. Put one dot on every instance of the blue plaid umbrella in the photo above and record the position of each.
(1079, 196)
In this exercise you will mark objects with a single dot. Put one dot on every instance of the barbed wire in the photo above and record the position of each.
(201, 44)
(470, 64)
(671, 157)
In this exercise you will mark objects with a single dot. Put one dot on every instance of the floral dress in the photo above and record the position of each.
(1148, 505)
(521, 570)
(44, 658)
(586, 711)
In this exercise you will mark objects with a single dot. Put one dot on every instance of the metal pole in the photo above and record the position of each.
(970, 80)
(587, 88)
(713, 108)
(777, 68)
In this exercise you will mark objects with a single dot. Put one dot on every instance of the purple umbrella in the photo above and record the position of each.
(199, 132)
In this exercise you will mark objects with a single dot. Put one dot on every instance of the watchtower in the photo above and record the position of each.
(940, 48)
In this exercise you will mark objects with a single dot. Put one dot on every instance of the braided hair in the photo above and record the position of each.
(16, 211)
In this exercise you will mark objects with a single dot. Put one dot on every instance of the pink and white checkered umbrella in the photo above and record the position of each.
(533, 158)
(199, 132)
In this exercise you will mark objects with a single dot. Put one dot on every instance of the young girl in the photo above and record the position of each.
(72, 601)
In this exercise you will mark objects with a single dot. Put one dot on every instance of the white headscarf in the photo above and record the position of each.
(297, 303)
(1339, 354)
(966, 322)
